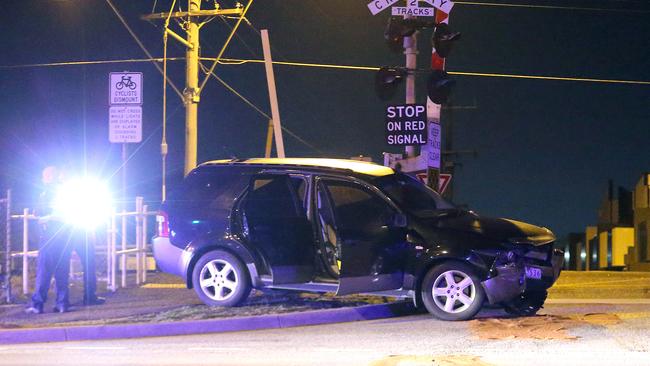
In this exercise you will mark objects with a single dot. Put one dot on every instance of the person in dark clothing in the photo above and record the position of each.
(84, 246)
(54, 249)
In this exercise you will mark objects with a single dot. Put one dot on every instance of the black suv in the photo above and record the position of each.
(347, 227)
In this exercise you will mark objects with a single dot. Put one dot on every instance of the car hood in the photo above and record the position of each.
(500, 229)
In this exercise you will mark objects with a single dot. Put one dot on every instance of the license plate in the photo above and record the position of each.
(534, 273)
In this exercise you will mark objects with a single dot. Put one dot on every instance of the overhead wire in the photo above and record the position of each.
(240, 38)
(223, 49)
(554, 7)
(236, 61)
(137, 40)
(557, 78)
(461, 73)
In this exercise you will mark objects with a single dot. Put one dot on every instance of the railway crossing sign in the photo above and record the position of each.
(412, 8)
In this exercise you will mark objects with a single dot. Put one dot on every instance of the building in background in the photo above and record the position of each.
(610, 243)
(637, 258)
(575, 252)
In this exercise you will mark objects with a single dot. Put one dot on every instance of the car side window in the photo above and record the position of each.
(271, 197)
(359, 212)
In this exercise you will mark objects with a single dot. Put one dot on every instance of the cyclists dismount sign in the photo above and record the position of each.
(125, 88)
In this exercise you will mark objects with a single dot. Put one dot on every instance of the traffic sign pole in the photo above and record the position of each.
(411, 52)
(125, 159)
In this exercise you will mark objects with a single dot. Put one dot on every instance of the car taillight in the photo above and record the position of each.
(163, 224)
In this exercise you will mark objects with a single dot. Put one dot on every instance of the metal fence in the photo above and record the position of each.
(137, 249)
(118, 228)
(5, 263)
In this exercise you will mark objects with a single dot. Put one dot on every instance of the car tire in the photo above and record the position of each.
(221, 279)
(452, 291)
(526, 304)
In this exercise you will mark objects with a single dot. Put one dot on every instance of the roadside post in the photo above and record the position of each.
(273, 97)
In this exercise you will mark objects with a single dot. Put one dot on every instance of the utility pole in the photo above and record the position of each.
(192, 94)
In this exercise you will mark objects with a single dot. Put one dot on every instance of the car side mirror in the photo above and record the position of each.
(399, 220)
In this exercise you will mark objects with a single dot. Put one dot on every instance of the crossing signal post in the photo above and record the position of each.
(439, 86)
(401, 35)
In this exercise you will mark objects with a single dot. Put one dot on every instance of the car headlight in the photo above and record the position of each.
(83, 202)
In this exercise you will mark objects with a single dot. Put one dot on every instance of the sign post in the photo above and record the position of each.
(125, 114)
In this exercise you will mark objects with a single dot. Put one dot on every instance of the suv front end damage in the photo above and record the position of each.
(524, 268)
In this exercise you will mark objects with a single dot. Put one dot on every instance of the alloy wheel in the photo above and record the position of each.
(218, 280)
(453, 291)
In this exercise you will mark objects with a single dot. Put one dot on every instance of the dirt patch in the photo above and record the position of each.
(428, 360)
(545, 327)
(598, 319)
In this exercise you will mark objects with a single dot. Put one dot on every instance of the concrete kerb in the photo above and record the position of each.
(82, 333)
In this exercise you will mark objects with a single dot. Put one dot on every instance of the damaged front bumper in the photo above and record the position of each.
(511, 278)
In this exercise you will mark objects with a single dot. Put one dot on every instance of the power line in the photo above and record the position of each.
(462, 73)
(234, 61)
(556, 7)
(559, 78)
(225, 45)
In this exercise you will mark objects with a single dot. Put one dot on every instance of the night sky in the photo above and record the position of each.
(545, 149)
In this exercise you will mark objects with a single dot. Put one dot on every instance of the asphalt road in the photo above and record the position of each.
(410, 340)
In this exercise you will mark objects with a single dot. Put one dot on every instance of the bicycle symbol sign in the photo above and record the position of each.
(126, 82)
(125, 88)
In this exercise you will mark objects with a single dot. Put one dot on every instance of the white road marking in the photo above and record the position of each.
(217, 349)
(94, 348)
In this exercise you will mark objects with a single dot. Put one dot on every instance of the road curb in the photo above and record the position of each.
(123, 331)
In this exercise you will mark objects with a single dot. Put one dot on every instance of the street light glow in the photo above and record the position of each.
(83, 202)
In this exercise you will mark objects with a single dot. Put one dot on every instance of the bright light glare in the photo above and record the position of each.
(83, 202)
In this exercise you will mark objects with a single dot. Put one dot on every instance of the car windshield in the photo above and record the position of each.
(411, 195)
